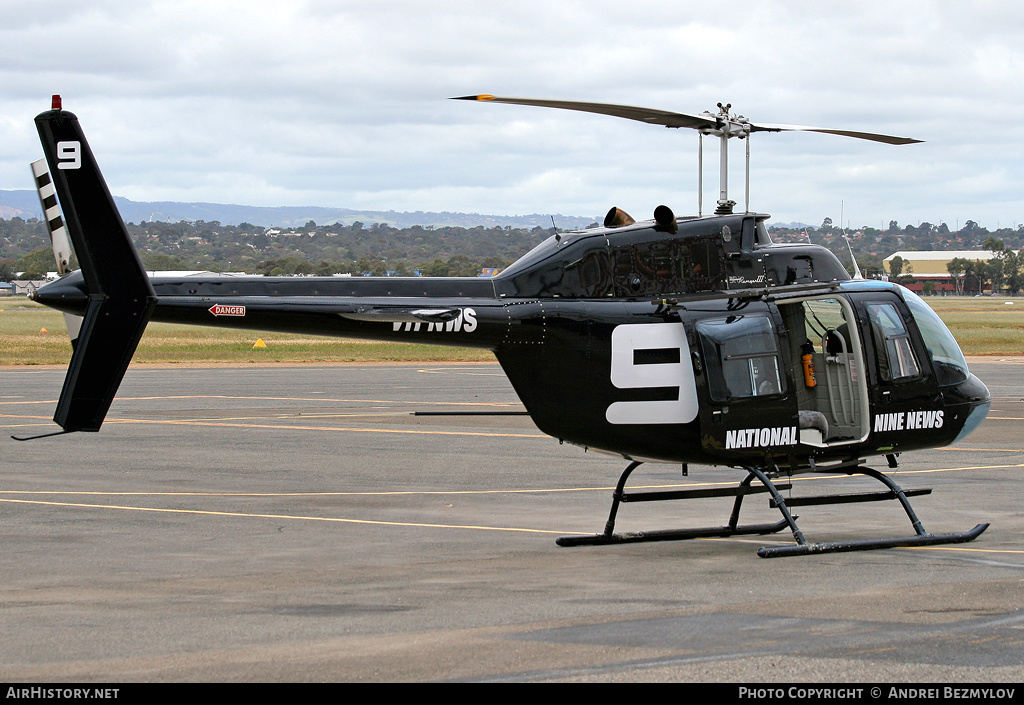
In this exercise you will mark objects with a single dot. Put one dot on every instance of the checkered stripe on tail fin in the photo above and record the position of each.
(52, 215)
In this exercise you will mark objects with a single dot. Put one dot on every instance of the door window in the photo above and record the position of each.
(741, 356)
(896, 359)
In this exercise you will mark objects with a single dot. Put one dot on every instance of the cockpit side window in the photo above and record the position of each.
(741, 356)
(893, 349)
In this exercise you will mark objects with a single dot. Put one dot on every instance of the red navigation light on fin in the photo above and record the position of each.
(55, 104)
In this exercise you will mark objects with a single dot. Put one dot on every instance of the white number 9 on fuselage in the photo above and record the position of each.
(629, 371)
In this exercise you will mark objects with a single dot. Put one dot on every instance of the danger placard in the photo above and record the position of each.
(222, 310)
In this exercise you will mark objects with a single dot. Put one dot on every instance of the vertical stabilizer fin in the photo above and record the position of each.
(121, 299)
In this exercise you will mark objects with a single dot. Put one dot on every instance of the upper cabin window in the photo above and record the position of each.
(589, 276)
(741, 357)
(681, 265)
(647, 269)
(895, 353)
(703, 263)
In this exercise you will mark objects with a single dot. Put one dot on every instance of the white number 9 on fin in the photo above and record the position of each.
(70, 155)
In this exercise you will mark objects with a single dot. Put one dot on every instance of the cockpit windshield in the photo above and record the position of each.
(947, 359)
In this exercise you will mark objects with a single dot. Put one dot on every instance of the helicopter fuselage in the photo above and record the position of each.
(709, 344)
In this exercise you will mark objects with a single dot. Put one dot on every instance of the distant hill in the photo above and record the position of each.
(20, 204)
(25, 204)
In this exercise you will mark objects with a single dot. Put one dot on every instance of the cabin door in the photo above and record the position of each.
(746, 400)
(906, 391)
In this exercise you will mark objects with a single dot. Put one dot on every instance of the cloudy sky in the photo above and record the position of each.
(345, 103)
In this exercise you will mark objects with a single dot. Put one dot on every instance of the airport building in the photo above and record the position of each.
(930, 266)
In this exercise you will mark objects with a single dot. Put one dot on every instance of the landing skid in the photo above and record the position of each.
(733, 528)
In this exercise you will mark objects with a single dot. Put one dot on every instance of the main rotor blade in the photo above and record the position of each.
(647, 115)
(670, 119)
(887, 139)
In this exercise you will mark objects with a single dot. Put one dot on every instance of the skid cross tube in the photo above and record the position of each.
(733, 528)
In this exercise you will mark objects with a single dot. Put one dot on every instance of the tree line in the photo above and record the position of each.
(377, 249)
(380, 249)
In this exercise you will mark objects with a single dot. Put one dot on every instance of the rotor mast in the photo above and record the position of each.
(725, 126)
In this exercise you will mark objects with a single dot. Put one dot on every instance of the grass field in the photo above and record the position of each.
(982, 326)
(23, 342)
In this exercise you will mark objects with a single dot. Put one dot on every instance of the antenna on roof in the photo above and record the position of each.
(856, 267)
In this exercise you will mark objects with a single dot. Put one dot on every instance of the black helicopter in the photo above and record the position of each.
(678, 339)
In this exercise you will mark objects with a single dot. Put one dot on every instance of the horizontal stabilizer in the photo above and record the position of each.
(402, 314)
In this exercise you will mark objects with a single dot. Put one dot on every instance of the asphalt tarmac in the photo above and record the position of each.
(300, 524)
